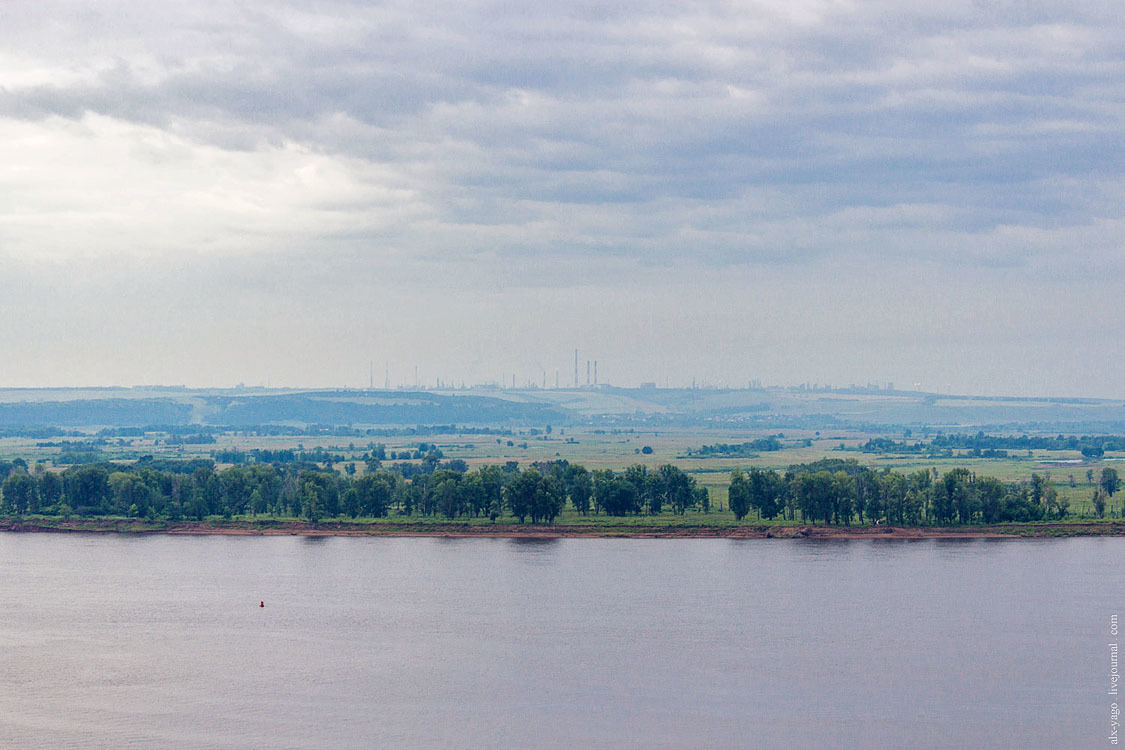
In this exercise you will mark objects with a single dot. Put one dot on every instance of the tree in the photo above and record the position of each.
(1037, 487)
(579, 487)
(844, 496)
(703, 499)
(991, 493)
(21, 493)
(257, 504)
(637, 475)
(311, 503)
(520, 493)
(374, 493)
(654, 490)
(766, 489)
(615, 495)
(86, 488)
(473, 498)
(678, 488)
(1099, 502)
(738, 497)
(816, 495)
(130, 494)
(448, 498)
(1110, 481)
(50, 488)
(550, 496)
(349, 500)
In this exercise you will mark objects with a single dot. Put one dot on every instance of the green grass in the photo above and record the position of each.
(606, 449)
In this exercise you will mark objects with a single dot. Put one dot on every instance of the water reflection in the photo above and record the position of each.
(534, 541)
(314, 539)
(539, 551)
(548, 642)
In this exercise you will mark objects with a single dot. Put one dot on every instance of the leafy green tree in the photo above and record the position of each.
(21, 493)
(844, 496)
(50, 488)
(1099, 502)
(327, 489)
(677, 487)
(1110, 481)
(1051, 502)
(616, 495)
(349, 501)
(520, 493)
(654, 490)
(1038, 484)
(236, 486)
(473, 496)
(760, 491)
(702, 498)
(311, 501)
(550, 496)
(130, 492)
(86, 488)
(580, 487)
(991, 492)
(448, 498)
(374, 493)
(257, 502)
(738, 494)
(816, 496)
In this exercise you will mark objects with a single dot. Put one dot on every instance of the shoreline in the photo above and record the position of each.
(559, 531)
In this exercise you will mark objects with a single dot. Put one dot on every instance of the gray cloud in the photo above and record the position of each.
(494, 147)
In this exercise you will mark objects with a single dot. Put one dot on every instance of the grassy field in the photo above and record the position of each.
(603, 448)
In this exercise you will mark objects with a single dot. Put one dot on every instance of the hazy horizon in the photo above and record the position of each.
(815, 192)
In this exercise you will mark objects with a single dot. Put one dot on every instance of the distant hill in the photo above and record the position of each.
(106, 412)
(752, 409)
(389, 409)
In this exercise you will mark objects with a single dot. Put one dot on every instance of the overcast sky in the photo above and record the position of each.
(834, 192)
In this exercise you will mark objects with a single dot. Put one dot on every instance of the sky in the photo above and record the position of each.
(814, 191)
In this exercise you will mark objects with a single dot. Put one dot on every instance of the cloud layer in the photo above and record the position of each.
(513, 153)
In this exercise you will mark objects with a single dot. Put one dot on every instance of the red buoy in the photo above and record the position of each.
(262, 604)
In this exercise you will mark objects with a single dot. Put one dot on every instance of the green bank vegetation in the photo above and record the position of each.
(829, 491)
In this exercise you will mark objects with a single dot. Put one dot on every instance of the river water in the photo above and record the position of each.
(158, 641)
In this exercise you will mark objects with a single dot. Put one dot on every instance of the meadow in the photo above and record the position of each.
(1073, 476)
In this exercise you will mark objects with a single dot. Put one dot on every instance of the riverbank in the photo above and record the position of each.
(528, 531)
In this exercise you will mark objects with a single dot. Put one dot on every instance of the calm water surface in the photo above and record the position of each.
(110, 641)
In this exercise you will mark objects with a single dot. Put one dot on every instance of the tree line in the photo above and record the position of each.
(831, 491)
(836, 492)
(997, 446)
(195, 490)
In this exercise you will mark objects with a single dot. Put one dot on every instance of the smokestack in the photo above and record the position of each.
(587, 372)
(595, 372)
(575, 368)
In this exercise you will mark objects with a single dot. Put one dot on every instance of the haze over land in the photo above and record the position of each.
(812, 192)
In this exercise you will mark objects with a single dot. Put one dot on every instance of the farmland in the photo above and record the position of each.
(706, 434)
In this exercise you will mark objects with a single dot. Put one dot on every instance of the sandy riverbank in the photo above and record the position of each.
(593, 531)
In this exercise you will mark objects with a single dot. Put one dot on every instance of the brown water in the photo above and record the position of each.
(110, 641)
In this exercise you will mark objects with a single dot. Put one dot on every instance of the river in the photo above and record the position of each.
(159, 641)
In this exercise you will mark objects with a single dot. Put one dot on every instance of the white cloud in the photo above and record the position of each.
(101, 186)
(515, 151)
